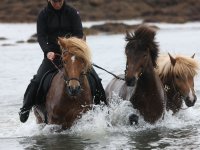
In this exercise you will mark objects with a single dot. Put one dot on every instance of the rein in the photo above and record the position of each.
(64, 78)
(67, 80)
(108, 72)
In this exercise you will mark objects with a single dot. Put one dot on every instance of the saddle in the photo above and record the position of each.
(97, 90)
(44, 85)
(96, 87)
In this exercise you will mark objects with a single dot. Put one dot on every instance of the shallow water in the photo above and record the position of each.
(102, 127)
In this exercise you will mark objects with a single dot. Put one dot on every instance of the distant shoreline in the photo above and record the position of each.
(170, 11)
(91, 28)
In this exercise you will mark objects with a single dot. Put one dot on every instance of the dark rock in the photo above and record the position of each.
(34, 35)
(95, 3)
(159, 11)
(7, 44)
(20, 42)
(89, 31)
(32, 40)
(3, 38)
(112, 28)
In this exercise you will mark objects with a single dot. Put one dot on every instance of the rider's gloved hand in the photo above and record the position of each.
(51, 55)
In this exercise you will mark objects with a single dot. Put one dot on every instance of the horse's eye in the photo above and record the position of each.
(145, 56)
(177, 76)
(64, 51)
(64, 62)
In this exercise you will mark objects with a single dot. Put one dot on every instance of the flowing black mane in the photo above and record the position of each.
(143, 39)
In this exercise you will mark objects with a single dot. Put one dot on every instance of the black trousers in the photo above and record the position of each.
(31, 91)
(96, 87)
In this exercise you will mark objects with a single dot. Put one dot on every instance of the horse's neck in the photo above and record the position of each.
(148, 84)
(148, 77)
(147, 80)
(149, 97)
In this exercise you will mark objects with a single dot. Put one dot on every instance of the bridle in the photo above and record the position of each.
(167, 88)
(139, 74)
(65, 78)
(177, 92)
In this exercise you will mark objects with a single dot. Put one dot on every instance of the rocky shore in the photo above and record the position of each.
(173, 11)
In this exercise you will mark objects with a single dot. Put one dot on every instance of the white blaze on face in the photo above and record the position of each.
(73, 58)
(191, 95)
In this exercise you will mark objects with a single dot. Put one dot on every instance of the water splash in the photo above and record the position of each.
(104, 120)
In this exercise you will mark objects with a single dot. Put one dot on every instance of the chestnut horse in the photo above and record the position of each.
(177, 75)
(142, 86)
(69, 94)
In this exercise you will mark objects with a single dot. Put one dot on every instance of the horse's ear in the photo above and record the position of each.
(128, 36)
(173, 61)
(193, 55)
(60, 41)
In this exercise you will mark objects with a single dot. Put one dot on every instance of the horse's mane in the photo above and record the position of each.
(184, 66)
(144, 36)
(79, 48)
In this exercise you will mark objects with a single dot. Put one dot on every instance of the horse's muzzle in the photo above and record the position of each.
(73, 91)
(130, 81)
(190, 102)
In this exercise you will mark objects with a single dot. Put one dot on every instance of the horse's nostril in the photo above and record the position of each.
(131, 81)
(79, 88)
(190, 102)
(73, 91)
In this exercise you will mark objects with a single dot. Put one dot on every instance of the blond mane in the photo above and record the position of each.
(77, 47)
(184, 67)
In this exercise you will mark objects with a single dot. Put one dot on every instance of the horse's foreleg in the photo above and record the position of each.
(39, 113)
(38, 117)
(133, 118)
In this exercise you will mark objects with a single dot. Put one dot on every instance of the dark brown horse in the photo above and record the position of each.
(177, 75)
(142, 85)
(69, 95)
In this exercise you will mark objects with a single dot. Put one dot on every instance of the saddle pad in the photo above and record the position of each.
(44, 85)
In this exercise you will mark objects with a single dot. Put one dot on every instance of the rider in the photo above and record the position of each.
(57, 19)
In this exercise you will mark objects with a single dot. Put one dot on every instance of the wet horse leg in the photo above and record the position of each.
(38, 117)
(40, 114)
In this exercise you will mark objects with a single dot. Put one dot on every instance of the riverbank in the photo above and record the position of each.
(171, 11)
(90, 28)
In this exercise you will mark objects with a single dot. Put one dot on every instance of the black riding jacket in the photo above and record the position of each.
(52, 24)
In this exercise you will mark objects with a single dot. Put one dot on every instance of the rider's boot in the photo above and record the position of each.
(29, 101)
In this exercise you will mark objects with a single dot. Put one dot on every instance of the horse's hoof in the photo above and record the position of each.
(133, 118)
